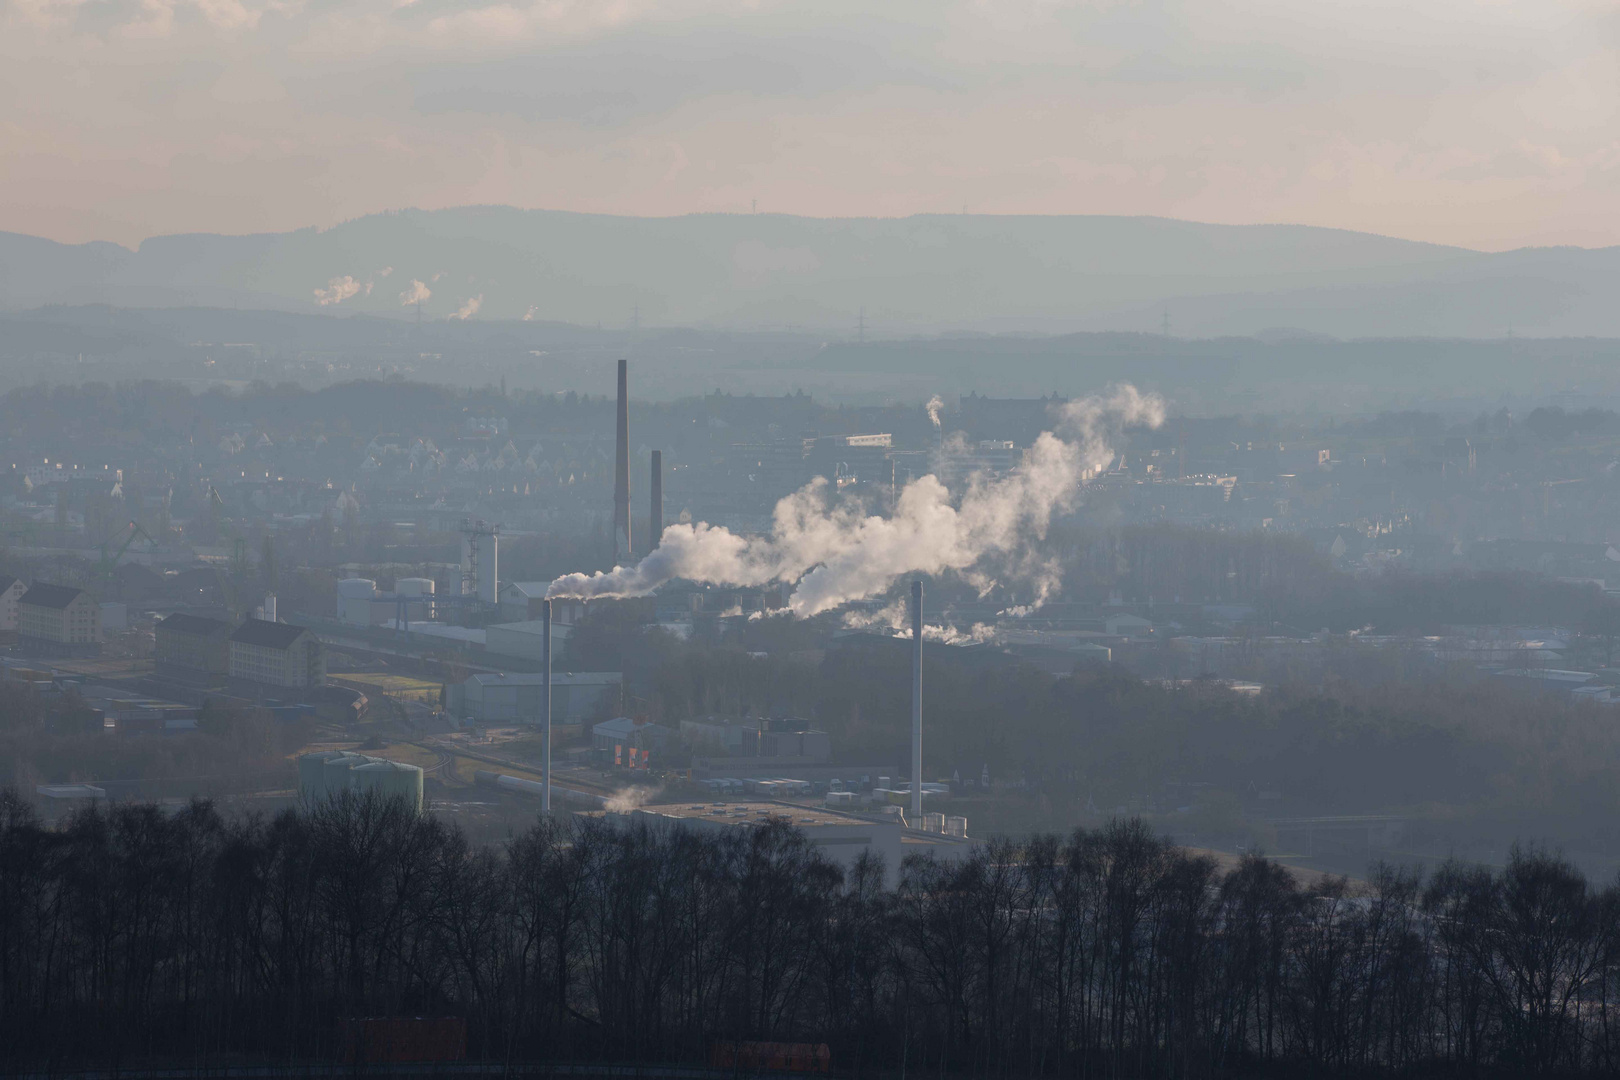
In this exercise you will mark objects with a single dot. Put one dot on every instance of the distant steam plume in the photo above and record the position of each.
(935, 404)
(418, 293)
(836, 553)
(470, 308)
(338, 289)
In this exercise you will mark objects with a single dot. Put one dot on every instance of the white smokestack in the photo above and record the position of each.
(916, 702)
(836, 553)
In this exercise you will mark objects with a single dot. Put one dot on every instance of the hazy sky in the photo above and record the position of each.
(1486, 124)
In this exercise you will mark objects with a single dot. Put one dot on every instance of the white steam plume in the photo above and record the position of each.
(630, 798)
(418, 293)
(896, 619)
(836, 553)
(337, 290)
(935, 404)
(470, 308)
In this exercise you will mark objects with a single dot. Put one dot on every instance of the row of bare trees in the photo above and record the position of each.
(132, 935)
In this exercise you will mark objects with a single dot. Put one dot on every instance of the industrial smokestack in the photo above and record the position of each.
(655, 518)
(916, 702)
(545, 709)
(622, 548)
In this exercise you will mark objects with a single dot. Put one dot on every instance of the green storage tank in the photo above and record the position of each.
(312, 772)
(335, 778)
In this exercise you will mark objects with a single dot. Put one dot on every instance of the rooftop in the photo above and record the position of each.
(200, 625)
(51, 596)
(271, 635)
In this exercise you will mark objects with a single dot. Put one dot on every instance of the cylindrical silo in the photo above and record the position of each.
(312, 773)
(417, 586)
(390, 780)
(354, 600)
(335, 773)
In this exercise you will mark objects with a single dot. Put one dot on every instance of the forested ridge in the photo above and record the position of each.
(132, 936)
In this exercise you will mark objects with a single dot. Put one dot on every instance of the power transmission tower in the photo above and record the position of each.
(860, 326)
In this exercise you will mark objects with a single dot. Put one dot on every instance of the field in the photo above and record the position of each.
(398, 687)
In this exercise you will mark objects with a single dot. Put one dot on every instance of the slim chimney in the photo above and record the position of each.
(916, 702)
(655, 520)
(545, 709)
(621, 473)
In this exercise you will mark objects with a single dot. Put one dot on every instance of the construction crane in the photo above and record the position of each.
(109, 562)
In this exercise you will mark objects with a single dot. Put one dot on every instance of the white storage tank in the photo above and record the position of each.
(417, 586)
(389, 779)
(354, 600)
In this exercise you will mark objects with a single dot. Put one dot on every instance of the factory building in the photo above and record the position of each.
(613, 737)
(192, 649)
(773, 739)
(268, 654)
(58, 620)
(517, 699)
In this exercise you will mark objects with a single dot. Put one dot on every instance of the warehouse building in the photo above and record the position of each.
(622, 733)
(272, 654)
(192, 649)
(784, 739)
(11, 593)
(58, 620)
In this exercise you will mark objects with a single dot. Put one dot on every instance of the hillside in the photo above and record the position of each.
(910, 275)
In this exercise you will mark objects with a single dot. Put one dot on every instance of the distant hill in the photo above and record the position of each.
(919, 274)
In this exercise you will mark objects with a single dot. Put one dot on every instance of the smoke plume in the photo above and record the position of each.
(470, 308)
(837, 553)
(337, 290)
(935, 404)
(418, 293)
(630, 798)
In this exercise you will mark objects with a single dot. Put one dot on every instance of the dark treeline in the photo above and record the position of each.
(131, 935)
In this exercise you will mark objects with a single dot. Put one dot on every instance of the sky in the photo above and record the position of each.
(1489, 124)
